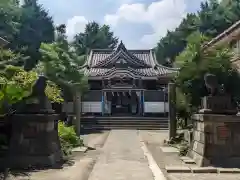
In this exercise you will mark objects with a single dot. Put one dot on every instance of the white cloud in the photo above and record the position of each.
(75, 25)
(162, 16)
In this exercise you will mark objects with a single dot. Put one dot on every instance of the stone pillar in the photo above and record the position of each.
(34, 139)
(77, 109)
(172, 110)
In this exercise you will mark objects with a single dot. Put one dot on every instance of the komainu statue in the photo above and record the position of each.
(217, 102)
(211, 83)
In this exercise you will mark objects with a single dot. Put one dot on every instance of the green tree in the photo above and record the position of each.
(212, 19)
(94, 37)
(10, 14)
(190, 79)
(174, 42)
(25, 27)
(192, 49)
(36, 26)
(62, 67)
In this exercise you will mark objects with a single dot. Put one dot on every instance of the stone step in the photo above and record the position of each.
(124, 127)
(189, 169)
(139, 120)
(152, 123)
(123, 118)
(124, 122)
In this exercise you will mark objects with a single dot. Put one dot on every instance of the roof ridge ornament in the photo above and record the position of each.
(121, 46)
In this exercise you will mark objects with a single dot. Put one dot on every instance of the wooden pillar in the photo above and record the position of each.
(77, 109)
(142, 101)
(172, 110)
(103, 103)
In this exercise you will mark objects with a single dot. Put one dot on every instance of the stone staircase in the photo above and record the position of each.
(124, 122)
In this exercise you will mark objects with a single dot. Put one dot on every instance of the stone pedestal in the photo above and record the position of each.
(217, 105)
(34, 141)
(216, 140)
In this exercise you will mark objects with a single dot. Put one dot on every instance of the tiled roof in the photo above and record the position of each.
(97, 56)
(142, 63)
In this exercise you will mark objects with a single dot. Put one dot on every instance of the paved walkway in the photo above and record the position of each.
(122, 158)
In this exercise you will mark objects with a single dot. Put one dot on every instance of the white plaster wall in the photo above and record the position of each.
(156, 107)
(93, 107)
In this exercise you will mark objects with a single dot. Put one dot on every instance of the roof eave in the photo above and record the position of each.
(234, 28)
(159, 65)
(3, 42)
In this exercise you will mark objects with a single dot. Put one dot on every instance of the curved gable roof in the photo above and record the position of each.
(121, 53)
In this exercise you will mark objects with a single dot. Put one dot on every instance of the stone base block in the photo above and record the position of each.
(216, 140)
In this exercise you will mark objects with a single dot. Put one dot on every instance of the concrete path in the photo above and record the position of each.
(122, 158)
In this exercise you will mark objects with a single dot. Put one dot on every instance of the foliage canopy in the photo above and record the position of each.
(212, 19)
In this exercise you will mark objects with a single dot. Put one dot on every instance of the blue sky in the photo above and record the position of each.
(138, 23)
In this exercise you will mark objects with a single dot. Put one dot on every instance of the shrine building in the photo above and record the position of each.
(125, 82)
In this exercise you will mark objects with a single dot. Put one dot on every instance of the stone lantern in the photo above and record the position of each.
(35, 141)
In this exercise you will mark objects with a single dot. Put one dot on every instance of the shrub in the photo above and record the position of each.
(68, 138)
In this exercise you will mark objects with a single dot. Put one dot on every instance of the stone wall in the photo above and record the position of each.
(216, 140)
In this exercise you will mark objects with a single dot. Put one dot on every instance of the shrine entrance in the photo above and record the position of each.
(122, 94)
(122, 102)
